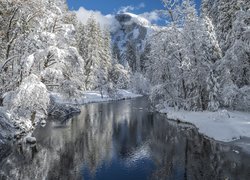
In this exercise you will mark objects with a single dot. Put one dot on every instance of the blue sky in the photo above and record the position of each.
(112, 6)
(101, 8)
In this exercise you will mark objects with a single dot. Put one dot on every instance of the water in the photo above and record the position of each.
(123, 140)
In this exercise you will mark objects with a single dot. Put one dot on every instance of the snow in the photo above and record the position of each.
(29, 62)
(5, 126)
(138, 19)
(222, 125)
(136, 33)
(31, 95)
(43, 122)
(93, 97)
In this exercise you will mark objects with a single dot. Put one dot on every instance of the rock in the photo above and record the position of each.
(134, 30)
(30, 140)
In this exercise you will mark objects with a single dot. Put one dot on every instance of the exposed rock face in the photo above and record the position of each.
(133, 31)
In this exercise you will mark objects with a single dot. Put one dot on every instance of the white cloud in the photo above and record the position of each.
(152, 16)
(125, 9)
(109, 20)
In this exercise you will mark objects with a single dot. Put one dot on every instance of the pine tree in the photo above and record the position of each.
(130, 55)
(92, 59)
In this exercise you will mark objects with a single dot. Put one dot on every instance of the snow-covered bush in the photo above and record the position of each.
(32, 96)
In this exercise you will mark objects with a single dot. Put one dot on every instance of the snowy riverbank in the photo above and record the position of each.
(222, 125)
(94, 97)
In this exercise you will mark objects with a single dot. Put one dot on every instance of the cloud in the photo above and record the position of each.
(109, 20)
(125, 9)
(152, 16)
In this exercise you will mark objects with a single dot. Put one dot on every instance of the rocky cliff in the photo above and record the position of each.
(129, 40)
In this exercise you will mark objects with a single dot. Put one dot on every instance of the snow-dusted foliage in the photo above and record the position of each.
(38, 54)
(119, 76)
(187, 66)
(44, 44)
(94, 46)
(182, 60)
(139, 84)
(233, 36)
(31, 96)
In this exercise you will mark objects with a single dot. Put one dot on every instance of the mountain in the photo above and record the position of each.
(129, 40)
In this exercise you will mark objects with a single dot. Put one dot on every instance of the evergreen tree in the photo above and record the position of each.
(92, 59)
(130, 55)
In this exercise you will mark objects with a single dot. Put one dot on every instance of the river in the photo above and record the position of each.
(123, 140)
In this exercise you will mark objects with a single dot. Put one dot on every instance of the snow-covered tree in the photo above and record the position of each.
(82, 40)
(94, 46)
(92, 60)
(182, 60)
(105, 62)
(235, 66)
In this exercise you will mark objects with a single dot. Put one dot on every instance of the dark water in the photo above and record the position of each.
(123, 140)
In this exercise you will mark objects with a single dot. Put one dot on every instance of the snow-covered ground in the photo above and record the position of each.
(222, 125)
(95, 96)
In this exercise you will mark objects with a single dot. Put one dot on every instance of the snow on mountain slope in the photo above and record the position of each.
(133, 29)
(130, 18)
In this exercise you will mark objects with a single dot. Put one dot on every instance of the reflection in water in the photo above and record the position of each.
(123, 140)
